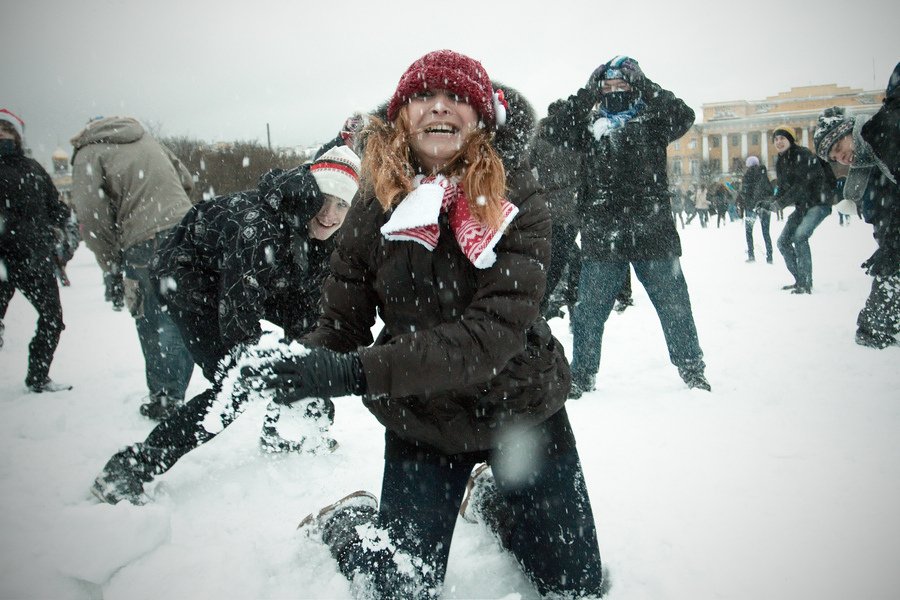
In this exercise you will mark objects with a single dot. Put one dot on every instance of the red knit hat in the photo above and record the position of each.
(14, 120)
(454, 72)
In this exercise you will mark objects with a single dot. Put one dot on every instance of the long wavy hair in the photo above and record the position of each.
(389, 166)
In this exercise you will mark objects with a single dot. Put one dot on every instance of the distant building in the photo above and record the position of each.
(732, 131)
(62, 174)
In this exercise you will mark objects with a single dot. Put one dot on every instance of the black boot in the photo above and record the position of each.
(125, 474)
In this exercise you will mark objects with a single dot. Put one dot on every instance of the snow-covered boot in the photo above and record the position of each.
(2, 330)
(694, 378)
(47, 385)
(349, 508)
(299, 427)
(125, 474)
(874, 340)
(481, 483)
(580, 385)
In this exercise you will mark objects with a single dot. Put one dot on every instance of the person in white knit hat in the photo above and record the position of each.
(232, 261)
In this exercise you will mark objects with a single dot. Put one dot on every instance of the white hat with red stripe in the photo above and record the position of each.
(17, 123)
(337, 173)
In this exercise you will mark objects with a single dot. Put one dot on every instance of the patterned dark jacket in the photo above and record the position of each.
(29, 208)
(247, 256)
(464, 352)
(804, 179)
(624, 198)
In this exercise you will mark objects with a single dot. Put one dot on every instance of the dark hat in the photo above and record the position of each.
(785, 131)
(457, 73)
(832, 125)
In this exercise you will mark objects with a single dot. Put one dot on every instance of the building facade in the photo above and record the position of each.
(716, 148)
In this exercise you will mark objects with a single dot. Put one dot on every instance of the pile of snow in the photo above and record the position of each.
(780, 484)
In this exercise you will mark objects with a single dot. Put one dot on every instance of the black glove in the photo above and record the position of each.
(320, 373)
(114, 291)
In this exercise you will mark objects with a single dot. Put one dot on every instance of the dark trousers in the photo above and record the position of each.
(34, 278)
(880, 317)
(765, 218)
(542, 515)
(561, 252)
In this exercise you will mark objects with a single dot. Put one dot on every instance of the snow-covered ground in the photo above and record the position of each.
(782, 484)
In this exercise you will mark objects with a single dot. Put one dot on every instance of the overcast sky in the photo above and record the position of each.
(220, 70)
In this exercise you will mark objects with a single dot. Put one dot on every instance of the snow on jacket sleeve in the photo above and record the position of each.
(184, 176)
(667, 114)
(247, 265)
(94, 207)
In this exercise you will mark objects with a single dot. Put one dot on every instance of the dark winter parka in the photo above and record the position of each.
(881, 203)
(29, 208)
(804, 179)
(756, 188)
(247, 256)
(624, 199)
(463, 351)
(558, 169)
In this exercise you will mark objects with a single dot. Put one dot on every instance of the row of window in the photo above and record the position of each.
(737, 165)
(715, 141)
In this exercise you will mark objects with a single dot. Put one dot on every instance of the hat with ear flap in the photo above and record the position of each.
(832, 125)
(456, 73)
(621, 67)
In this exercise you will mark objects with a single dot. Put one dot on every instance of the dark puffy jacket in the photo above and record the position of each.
(29, 208)
(558, 169)
(624, 198)
(239, 259)
(464, 351)
(882, 198)
(804, 179)
(755, 188)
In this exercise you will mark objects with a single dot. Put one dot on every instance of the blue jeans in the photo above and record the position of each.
(667, 288)
(167, 363)
(794, 242)
(765, 218)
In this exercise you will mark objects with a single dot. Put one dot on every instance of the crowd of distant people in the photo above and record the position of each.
(434, 213)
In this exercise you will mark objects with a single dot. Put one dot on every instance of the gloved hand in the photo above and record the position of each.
(114, 291)
(320, 373)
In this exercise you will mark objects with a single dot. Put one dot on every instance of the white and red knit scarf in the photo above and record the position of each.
(416, 219)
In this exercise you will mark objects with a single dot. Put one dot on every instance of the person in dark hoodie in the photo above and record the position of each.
(623, 123)
(755, 197)
(32, 219)
(808, 183)
(233, 260)
(129, 191)
(872, 182)
(449, 246)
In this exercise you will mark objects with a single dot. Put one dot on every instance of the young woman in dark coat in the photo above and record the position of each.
(232, 261)
(754, 199)
(30, 210)
(450, 248)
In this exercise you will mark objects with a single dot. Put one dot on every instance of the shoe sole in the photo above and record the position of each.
(359, 498)
(467, 497)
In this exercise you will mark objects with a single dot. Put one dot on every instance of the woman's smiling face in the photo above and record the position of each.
(329, 218)
(439, 123)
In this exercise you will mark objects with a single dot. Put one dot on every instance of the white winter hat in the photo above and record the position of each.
(752, 161)
(337, 173)
(17, 123)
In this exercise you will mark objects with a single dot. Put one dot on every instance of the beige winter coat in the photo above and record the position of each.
(126, 186)
(700, 200)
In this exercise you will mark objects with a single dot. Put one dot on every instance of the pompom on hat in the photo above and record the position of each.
(454, 72)
(337, 173)
(832, 125)
(18, 124)
(784, 131)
